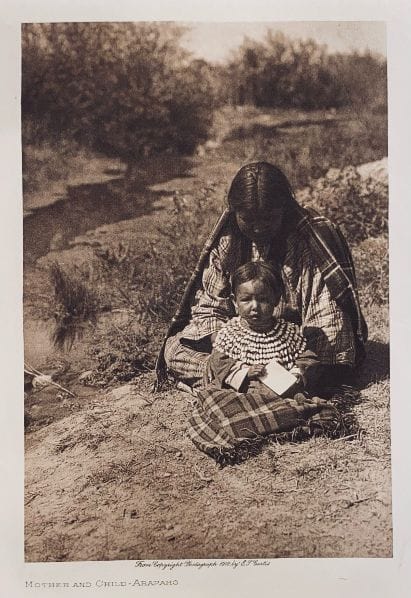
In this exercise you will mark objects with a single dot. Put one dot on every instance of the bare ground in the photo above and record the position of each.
(119, 480)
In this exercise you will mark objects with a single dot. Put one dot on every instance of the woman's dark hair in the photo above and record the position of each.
(257, 271)
(259, 186)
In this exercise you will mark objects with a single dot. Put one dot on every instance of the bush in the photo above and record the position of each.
(281, 72)
(124, 89)
(358, 206)
(75, 305)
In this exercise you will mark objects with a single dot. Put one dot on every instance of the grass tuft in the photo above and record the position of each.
(76, 306)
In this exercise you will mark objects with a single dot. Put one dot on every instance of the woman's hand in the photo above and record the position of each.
(254, 371)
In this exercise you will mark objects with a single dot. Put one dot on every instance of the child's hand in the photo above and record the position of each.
(254, 371)
(297, 373)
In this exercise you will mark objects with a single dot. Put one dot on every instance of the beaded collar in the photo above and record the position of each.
(284, 342)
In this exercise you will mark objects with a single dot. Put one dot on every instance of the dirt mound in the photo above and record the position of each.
(121, 481)
(377, 171)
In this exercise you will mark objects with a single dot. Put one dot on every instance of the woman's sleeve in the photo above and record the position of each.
(212, 306)
(327, 328)
(309, 367)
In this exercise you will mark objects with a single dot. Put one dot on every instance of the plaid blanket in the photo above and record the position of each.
(231, 426)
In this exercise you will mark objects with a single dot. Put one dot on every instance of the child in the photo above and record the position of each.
(247, 342)
(235, 410)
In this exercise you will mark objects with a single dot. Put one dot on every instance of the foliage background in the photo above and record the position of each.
(131, 90)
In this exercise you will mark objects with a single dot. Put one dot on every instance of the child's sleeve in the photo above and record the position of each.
(226, 371)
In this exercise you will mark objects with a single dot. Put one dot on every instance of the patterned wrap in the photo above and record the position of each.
(283, 343)
(231, 426)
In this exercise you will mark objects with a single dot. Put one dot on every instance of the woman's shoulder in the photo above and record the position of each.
(315, 230)
(309, 218)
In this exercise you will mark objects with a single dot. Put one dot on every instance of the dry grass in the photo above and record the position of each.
(320, 497)
(304, 151)
(76, 305)
(50, 162)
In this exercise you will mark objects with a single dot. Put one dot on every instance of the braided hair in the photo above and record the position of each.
(259, 186)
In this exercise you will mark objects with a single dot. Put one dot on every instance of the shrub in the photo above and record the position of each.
(281, 72)
(358, 206)
(75, 305)
(124, 89)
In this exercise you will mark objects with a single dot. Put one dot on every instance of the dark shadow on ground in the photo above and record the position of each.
(376, 367)
(86, 207)
(114, 171)
(261, 130)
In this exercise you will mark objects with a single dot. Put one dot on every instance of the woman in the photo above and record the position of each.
(264, 222)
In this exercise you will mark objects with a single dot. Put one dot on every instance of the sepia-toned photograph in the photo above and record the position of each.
(206, 286)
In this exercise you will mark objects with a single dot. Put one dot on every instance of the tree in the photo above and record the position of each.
(125, 89)
(281, 72)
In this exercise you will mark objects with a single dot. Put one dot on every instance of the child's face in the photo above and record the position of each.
(255, 302)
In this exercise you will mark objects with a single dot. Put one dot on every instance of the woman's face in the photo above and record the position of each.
(261, 226)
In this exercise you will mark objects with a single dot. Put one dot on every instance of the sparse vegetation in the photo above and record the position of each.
(148, 278)
(371, 261)
(358, 206)
(75, 305)
(304, 145)
(123, 353)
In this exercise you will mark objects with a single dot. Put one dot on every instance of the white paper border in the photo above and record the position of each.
(285, 577)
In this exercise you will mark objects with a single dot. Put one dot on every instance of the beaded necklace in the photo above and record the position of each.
(283, 342)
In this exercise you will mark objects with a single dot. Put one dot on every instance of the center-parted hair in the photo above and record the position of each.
(258, 271)
(259, 186)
